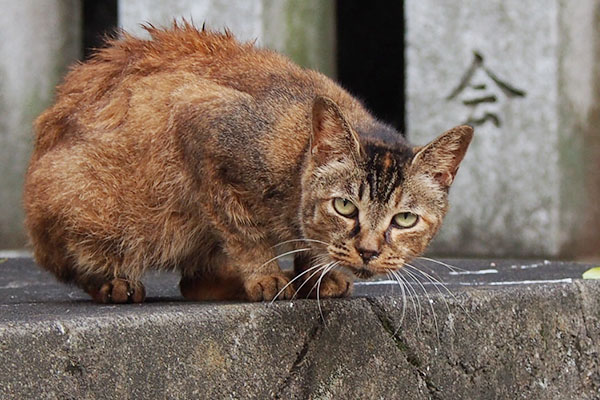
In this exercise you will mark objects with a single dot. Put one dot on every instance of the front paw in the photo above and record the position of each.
(333, 284)
(268, 287)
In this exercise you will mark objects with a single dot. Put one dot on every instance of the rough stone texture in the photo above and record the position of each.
(524, 185)
(302, 29)
(479, 342)
(39, 41)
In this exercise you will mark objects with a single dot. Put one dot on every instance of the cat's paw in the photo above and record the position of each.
(268, 287)
(333, 284)
(119, 291)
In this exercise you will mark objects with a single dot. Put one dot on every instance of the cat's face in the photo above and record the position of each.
(375, 205)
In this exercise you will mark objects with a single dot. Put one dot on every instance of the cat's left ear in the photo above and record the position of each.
(332, 136)
(441, 158)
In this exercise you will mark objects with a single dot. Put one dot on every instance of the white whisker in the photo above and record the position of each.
(433, 280)
(319, 269)
(292, 281)
(437, 283)
(452, 268)
(413, 297)
(401, 284)
(325, 271)
(321, 259)
(283, 255)
(328, 268)
(429, 300)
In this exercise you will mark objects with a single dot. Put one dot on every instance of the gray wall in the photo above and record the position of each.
(529, 185)
(302, 29)
(39, 39)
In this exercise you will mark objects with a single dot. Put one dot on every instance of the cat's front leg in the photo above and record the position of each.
(263, 279)
(318, 278)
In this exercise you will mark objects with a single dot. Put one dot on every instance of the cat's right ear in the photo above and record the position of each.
(332, 136)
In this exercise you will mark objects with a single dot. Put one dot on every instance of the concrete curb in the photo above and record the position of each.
(532, 341)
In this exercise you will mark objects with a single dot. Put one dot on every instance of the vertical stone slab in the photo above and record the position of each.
(304, 30)
(39, 40)
(523, 74)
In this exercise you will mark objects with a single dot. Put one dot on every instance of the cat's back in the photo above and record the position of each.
(104, 92)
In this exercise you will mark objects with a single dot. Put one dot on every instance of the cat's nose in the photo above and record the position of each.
(367, 255)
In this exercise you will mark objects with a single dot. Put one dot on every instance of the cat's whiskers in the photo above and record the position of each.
(329, 267)
(323, 258)
(293, 280)
(416, 303)
(321, 268)
(323, 273)
(429, 299)
(287, 253)
(451, 267)
(393, 276)
(437, 283)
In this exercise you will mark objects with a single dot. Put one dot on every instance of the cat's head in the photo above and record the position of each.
(376, 203)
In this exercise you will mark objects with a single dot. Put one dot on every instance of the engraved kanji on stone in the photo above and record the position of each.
(485, 90)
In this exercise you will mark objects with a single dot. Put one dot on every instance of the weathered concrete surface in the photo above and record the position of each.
(302, 29)
(533, 341)
(526, 75)
(39, 40)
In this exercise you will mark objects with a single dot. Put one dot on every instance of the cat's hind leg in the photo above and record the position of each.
(117, 290)
(76, 261)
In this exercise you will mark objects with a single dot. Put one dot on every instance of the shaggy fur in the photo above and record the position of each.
(191, 151)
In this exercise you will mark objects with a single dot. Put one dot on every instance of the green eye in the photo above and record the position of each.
(406, 219)
(344, 206)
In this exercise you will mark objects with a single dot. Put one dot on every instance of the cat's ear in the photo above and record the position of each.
(441, 158)
(332, 135)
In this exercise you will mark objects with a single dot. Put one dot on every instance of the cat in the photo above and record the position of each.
(194, 152)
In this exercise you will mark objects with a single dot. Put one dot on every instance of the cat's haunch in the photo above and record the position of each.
(194, 152)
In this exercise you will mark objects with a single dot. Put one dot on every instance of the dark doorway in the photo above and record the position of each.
(99, 22)
(370, 37)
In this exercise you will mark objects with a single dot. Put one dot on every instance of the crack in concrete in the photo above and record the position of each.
(299, 361)
(403, 347)
(72, 367)
(583, 295)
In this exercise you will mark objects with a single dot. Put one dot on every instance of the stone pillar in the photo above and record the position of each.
(302, 29)
(39, 40)
(527, 76)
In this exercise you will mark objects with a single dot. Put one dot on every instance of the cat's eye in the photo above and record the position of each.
(406, 219)
(344, 207)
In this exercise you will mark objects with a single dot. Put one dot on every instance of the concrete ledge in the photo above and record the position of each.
(535, 341)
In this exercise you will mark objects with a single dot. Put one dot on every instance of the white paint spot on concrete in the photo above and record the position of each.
(478, 272)
(565, 280)
(14, 285)
(14, 253)
(498, 283)
(374, 283)
(530, 266)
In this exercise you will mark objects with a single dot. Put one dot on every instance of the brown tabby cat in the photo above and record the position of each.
(191, 151)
